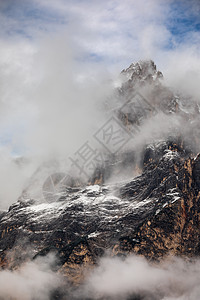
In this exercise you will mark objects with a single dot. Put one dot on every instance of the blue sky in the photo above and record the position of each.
(184, 19)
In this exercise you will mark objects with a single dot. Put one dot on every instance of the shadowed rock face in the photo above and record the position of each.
(153, 214)
(174, 226)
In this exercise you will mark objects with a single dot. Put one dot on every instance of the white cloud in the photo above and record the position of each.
(51, 84)
(33, 280)
(118, 278)
(48, 107)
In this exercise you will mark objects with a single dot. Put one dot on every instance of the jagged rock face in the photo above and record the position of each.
(153, 214)
(174, 227)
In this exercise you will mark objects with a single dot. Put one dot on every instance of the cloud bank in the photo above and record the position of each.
(117, 278)
(59, 61)
(33, 280)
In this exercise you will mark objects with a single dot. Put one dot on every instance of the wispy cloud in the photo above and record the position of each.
(112, 30)
(33, 280)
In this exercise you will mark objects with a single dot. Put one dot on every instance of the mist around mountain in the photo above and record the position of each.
(99, 150)
(124, 226)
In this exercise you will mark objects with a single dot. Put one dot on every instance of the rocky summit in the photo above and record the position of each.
(154, 212)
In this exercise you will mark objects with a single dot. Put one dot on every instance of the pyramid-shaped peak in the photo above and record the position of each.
(142, 69)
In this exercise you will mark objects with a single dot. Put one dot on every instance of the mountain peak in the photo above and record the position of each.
(142, 70)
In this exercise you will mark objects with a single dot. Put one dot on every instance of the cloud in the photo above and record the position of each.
(57, 65)
(50, 106)
(117, 278)
(113, 278)
(14, 176)
(183, 71)
(113, 30)
(33, 280)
